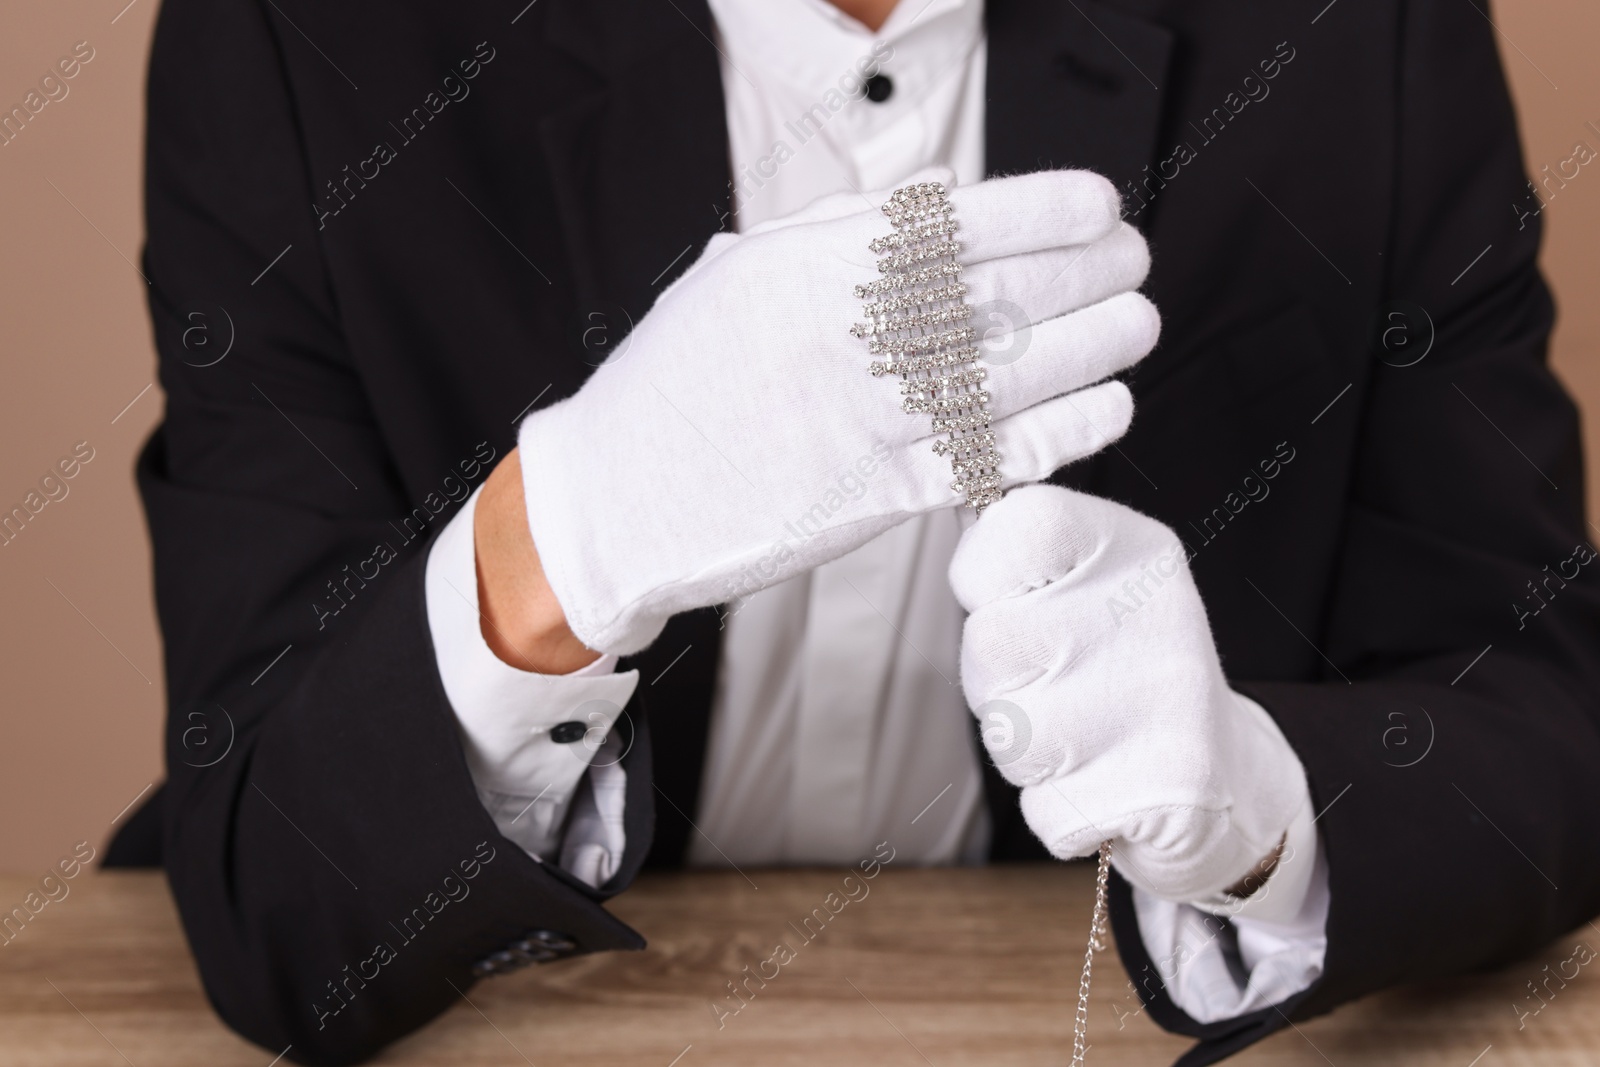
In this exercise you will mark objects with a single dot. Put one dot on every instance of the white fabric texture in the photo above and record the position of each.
(695, 467)
(767, 755)
(1088, 646)
(836, 722)
(1277, 936)
(830, 732)
(594, 841)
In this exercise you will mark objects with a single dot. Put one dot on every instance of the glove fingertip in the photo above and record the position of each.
(1036, 443)
(1113, 403)
(1001, 550)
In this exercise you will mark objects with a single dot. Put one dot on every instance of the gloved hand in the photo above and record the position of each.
(738, 439)
(1088, 659)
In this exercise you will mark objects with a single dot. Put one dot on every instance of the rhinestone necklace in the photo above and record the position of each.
(917, 327)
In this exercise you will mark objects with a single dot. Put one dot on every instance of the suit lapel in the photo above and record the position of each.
(1078, 84)
(1074, 84)
(639, 164)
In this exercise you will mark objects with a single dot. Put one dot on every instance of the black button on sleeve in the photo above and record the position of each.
(565, 733)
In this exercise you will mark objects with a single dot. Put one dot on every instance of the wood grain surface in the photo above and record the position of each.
(938, 967)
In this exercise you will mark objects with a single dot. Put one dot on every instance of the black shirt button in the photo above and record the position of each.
(879, 88)
(565, 733)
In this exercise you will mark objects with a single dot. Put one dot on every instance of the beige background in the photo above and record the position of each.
(79, 653)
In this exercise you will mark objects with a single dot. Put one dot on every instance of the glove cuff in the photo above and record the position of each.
(1272, 803)
(561, 502)
(1283, 895)
(1266, 793)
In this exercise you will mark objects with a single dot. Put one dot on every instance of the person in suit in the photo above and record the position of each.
(472, 610)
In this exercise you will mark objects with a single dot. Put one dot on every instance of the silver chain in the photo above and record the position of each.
(1097, 943)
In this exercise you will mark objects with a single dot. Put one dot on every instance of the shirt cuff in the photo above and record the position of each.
(526, 771)
(1220, 962)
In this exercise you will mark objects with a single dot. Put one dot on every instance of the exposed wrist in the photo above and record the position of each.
(522, 621)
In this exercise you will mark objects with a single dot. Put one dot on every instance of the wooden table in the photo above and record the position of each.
(941, 967)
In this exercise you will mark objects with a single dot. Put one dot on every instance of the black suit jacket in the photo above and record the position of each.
(401, 223)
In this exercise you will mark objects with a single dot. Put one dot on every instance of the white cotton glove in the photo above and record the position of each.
(737, 438)
(1089, 662)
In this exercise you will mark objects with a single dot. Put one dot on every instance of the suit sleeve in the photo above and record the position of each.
(337, 877)
(1454, 771)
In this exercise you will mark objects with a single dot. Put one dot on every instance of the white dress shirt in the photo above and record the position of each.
(836, 721)
(837, 717)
